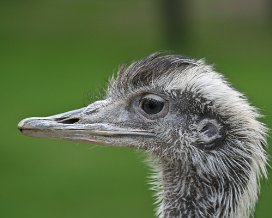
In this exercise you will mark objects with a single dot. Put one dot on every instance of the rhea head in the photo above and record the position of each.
(202, 135)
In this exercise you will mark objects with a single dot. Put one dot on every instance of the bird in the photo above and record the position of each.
(204, 141)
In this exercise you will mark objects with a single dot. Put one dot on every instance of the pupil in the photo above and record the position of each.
(151, 106)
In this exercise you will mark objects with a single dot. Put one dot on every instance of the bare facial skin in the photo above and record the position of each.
(204, 141)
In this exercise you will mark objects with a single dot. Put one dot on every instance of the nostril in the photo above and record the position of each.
(67, 120)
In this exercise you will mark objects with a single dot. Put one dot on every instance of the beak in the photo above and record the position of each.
(92, 124)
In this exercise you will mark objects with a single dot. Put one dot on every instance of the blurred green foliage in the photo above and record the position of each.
(57, 55)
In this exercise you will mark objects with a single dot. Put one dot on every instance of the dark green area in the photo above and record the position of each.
(56, 56)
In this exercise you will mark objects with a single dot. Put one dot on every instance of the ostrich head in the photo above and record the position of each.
(203, 137)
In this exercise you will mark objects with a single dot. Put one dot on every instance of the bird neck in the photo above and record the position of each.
(183, 193)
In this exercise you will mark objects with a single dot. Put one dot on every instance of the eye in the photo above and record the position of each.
(151, 104)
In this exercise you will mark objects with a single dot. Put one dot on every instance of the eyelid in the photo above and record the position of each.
(154, 97)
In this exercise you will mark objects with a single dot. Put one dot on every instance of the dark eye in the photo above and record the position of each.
(151, 104)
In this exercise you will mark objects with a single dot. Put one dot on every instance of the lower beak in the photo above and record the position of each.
(70, 126)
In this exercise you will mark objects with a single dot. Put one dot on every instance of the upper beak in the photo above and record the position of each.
(85, 125)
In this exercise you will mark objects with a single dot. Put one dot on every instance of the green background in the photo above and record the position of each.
(58, 55)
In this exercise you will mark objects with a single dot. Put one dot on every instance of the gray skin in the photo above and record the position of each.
(204, 141)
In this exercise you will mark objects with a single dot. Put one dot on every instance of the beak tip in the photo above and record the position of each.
(21, 125)
(25, 124)
(28, 126)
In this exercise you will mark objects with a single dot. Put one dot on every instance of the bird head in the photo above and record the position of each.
(191, 121)
(175, 108)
